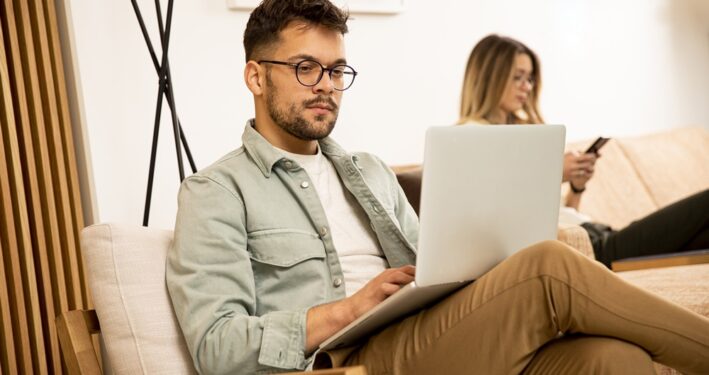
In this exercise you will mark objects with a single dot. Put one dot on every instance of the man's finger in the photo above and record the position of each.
(400, 278)
(388, 288)
(411, 270)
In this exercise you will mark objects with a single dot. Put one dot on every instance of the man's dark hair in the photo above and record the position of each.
(272, 16)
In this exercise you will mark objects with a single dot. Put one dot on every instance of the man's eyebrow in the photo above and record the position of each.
(303, 56)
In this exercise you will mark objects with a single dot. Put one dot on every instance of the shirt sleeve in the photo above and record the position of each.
(405, 214)
(212, 287)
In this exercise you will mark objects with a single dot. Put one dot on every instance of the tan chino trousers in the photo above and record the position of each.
(509, 322)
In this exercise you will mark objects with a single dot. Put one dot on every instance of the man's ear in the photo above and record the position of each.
(255, 77)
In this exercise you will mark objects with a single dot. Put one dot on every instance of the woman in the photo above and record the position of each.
(502, 85)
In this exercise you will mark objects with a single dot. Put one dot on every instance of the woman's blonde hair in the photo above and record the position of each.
(486, 77)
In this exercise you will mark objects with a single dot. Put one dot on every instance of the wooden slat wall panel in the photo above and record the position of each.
(56, 147)
(59, 174)
(7, 356)
(67, 136)
(8, 360)
(42, 157)
(40, 268)
(43, 166)
(21, 277)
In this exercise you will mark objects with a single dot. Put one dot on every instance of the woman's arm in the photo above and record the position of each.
(578, 170)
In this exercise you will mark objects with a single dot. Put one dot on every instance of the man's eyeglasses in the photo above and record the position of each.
(310, 72)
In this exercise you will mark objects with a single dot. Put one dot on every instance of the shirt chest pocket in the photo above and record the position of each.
(289, 267)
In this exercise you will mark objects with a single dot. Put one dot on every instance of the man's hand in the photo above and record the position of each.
(325, 320)
(379, 288)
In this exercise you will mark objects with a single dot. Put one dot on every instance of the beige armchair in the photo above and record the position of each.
(126, 275)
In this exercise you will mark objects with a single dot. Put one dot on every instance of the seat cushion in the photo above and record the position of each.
(673, 164)
(615, 195)
(687, 286)
(125, 268)
(684, 285)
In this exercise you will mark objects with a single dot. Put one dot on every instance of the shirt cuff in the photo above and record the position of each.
(283, 341)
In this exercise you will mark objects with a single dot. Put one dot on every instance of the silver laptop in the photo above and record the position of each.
(487, 192)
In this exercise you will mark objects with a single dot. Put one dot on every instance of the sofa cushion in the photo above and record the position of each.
(684, 285)
(672, 165)
(576, 237)
(125, 268)
(615, 195)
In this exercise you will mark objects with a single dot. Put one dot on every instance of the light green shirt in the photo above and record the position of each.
(252, 252)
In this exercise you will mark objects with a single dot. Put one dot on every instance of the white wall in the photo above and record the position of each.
(612, 67)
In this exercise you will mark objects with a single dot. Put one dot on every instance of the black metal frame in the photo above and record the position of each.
(164, 89)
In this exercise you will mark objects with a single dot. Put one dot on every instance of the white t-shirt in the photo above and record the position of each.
(360, 256)
(569, 215)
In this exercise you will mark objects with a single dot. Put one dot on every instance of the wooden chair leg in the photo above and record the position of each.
(74, 329)
(355, 370)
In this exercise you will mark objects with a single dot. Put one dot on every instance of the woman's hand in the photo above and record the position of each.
(578, 168)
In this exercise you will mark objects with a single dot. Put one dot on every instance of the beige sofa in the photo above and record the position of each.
(637, 175)
(634, 177)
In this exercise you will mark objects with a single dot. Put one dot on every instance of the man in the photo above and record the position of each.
(289, 238)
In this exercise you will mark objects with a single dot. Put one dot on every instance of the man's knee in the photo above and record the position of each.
(548, 251)
(546, 258)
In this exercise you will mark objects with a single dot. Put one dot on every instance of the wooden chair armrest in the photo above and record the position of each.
(74, 329)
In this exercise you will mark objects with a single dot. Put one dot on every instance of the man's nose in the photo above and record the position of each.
(325, 85)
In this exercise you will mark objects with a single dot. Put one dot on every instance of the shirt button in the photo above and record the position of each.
(337, 282)
(289, 164)
(323, 231)
(304, 184)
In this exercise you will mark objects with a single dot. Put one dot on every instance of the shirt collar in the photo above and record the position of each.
(266, 156)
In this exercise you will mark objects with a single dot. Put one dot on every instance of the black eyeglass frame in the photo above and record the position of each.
(323, 69)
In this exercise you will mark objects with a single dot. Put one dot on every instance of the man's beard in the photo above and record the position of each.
(292, 120)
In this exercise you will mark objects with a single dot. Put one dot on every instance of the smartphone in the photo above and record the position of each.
(597, 144)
